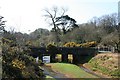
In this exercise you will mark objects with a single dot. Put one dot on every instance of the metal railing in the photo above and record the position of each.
(106, 49)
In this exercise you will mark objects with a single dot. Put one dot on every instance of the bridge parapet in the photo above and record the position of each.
(66, 50)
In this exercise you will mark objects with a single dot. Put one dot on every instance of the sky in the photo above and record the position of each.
(27, 15)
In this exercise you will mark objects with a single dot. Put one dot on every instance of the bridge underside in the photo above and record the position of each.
(80, 55)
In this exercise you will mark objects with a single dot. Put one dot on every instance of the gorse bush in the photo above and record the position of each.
(50, 45)
(70, 44)
(87, 44)
(17, 64)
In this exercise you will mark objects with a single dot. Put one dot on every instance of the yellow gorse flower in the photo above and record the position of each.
(73, 44)
(18, 64)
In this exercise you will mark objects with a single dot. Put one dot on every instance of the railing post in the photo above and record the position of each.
(113, 49)
(98, 48)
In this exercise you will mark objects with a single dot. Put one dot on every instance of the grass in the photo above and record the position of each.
(71, 71)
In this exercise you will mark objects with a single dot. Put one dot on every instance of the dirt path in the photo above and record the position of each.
(48, 71)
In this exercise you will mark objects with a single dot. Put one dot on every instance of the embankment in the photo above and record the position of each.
(106, 64)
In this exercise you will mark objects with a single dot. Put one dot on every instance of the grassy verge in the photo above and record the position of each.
(71, 71)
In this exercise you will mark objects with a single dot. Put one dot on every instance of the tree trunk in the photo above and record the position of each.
(56, 31)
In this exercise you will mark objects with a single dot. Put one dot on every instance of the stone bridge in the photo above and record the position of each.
(80, 55)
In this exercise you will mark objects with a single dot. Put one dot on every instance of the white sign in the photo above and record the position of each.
(46, 59)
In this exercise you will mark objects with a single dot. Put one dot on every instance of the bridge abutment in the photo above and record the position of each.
(52, 58)
(64, 57)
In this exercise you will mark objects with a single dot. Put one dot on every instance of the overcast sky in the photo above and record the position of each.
(27, 15)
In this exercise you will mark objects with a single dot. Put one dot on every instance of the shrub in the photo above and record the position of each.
(87, 44)
(17, 64)
(70, 44)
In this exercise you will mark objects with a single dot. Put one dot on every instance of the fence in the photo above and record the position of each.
(106, 49)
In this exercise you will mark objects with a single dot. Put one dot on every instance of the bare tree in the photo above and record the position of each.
(2, 24)
(51, 15)
(108, 22)
(112, 39)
